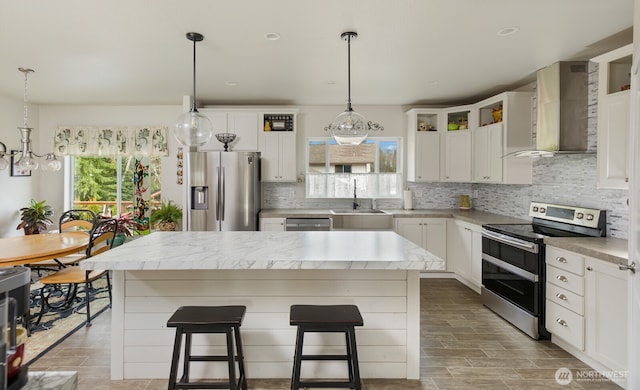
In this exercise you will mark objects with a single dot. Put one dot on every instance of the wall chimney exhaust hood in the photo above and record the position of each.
(562, 110)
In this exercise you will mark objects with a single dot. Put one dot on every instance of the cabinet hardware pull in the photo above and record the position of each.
(631, 267)
(562, 278)
(561, 322)
(561, 296)
(589, 268)
(561, 259)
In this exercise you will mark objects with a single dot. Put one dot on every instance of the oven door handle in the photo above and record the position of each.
(508, 240)
(511, 268)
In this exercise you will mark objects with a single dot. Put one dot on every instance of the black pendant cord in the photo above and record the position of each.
(349, 73)
(193, 103)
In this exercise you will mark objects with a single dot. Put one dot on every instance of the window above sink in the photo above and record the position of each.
(375, 165)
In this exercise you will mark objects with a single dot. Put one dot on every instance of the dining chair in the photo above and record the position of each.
(70, 220)
(59, 290)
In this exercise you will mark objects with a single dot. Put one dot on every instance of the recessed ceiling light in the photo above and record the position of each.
(231, 83)
(271, 36)
(508, 31)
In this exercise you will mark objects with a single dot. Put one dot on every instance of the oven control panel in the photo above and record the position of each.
(568, 214)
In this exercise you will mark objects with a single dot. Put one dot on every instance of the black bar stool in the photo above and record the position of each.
(208, 319)
(328, 319)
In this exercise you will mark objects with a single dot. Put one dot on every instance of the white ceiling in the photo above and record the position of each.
(408, 51)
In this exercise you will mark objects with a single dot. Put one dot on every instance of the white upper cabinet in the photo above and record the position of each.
(504, 125)
(423, 145)
(614, 81)
(278, 145)
(456, 160)
(243, 123)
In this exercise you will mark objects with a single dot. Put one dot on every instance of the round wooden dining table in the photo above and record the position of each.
(37, 247)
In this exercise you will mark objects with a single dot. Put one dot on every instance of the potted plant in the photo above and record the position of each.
(35, 218)
(126, 227)
(166, 217)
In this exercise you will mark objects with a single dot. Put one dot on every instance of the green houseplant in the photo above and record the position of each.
(166, 216)
(35, 218)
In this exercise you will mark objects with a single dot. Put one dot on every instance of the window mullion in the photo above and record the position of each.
(119, 186)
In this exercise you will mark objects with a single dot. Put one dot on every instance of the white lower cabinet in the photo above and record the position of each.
(586, 308)
(272, 224)
(464, 252)
(429, 233)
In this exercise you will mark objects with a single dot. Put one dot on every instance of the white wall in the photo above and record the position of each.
(15, 192)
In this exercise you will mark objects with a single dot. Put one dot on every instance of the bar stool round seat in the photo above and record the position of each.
(330, 319)
(189, 320)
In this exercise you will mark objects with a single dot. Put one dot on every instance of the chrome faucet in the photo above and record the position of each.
(355, 196)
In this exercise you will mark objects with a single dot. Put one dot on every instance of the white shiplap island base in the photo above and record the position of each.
(267, 272)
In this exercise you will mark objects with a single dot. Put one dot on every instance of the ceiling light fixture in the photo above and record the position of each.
(193, 128)
(272, 36)
(350, 127)
(27, 159)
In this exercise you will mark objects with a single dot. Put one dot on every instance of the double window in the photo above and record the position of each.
(372, 168)
(106, 185)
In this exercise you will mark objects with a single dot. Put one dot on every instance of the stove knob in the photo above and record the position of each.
(543, 210)
(535, 209)
(579, 216)
(589, 217)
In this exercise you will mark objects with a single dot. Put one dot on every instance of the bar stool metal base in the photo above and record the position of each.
(189, 320)
(326, 319)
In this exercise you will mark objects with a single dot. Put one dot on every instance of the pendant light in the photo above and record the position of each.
(27, 160)
(350, 127)
(193, 128)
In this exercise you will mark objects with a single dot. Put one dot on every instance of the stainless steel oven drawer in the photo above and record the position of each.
(565, 298)
(565, 324)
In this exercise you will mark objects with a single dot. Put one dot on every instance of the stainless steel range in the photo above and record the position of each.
(513, 268)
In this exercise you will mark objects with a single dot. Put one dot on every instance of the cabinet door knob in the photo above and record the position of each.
(561, 296)
(562, 278)
(589, 268)
(561, 322)
(561, 259)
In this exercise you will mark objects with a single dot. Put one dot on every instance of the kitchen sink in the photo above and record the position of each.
(356, 211)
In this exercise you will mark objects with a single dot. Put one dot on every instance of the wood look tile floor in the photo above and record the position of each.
(463, 344)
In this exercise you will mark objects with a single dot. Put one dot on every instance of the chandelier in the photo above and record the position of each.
(350, 127)
(27, 160)
(193, 128)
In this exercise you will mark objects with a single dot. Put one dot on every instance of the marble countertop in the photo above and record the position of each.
(613, 250)
(471, 216)
(384, 250)
(52, 380)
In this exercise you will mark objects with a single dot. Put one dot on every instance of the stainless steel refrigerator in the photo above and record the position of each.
(223, 191)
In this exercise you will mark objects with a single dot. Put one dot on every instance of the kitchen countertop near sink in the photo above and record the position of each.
(471, 216)
(611, 249)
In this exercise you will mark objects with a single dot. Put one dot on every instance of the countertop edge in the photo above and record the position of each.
(609, 249)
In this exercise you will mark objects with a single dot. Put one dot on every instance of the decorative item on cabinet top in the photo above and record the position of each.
(278, 122)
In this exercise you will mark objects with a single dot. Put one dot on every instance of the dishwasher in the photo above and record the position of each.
(307, 224)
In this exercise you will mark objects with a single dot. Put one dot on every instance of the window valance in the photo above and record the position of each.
(110, 141)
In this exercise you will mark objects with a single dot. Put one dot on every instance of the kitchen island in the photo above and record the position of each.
(267, 272)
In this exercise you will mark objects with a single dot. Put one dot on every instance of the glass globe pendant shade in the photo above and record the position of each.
(27, 162)
(193, 129)
(349, 128)
(51, 163)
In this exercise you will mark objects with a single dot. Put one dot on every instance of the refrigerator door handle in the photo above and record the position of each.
(218, 197)
(222, 203)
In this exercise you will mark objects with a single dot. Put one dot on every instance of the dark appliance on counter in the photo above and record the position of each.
(513, 265)
(14, 295)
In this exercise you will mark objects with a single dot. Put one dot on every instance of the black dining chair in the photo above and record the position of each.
(60, 289)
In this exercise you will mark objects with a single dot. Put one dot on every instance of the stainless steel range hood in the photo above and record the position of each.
(562, 110)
